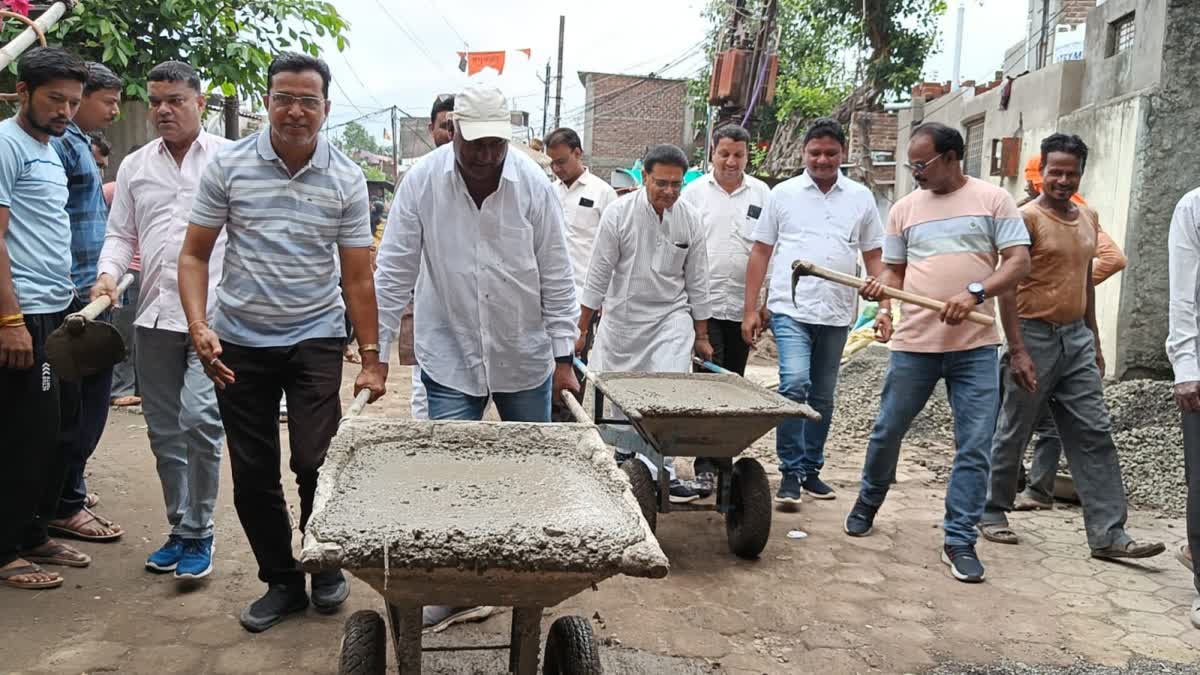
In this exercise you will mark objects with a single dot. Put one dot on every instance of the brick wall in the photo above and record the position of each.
(629, 114)
(1075, 11)
(881, 131)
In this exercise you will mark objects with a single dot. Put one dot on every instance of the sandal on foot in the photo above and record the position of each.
(999, 533)
(1025, 502)
(57, 553)
(1181, 554)
(127, 401)
(79, 530)
(1129, 549)
(8, 577)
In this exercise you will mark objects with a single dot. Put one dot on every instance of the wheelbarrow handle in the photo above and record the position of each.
(93, 308)
(359, 403)
(709, 365)
(804, 268)
(576, 409)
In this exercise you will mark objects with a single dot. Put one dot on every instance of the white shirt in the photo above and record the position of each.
(495, 295)
(582, 204)
(150, 211)
(651, 278)
(1183, 246)
(729, 220)
(829, 229)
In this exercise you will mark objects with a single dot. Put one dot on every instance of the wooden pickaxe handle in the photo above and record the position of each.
(93, 308)
(804, 268)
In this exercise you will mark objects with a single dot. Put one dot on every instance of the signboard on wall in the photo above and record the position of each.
(1069, 42)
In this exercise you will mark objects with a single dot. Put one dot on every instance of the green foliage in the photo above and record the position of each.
(229, 42)
(355, 136)
(374, 173)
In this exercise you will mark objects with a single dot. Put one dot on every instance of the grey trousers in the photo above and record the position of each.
(1043, 466)
(1069, 380)
(184, 426)
(1191, 472)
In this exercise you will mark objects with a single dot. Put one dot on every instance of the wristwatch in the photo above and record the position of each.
(564, 359)
(976, 289)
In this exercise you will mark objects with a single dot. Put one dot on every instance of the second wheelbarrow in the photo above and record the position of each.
(713, 415)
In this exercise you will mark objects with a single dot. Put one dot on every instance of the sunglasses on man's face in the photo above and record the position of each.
(920, 167)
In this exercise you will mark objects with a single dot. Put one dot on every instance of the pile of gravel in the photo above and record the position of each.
(1145, 425)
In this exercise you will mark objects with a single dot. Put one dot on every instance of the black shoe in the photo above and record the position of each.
(860, 520)
(683, 492)
(705, 482)
(329, 590)
(789, 489)
(963, 562)
(280, 599)
(817, 488)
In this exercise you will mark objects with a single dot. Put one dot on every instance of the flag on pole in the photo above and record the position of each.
(387, 135)
(474, 62)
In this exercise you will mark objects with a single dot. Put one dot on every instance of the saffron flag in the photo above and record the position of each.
(474, 62)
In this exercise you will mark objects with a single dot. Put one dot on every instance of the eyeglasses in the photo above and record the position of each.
(667, 184)
(920, 167)
(308, 103)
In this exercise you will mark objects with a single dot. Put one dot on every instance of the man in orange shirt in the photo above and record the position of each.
(1038, 494)
(1054, 357)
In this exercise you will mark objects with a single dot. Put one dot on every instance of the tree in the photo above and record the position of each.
(355, 136)
(230, 43)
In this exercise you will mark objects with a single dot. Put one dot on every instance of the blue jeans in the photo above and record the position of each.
(531, 405)
(973, 387)
(809, 358)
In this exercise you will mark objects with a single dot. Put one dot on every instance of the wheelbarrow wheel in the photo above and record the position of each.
(571, 648)
(364, 650)
(748, 521)
(644, 489)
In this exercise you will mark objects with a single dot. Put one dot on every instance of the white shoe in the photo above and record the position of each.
(435, 618)
(1195, 615)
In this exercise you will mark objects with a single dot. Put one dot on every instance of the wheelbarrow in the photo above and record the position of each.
(473, 514)
(713, 415)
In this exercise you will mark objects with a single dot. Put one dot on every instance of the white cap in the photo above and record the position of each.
(482, 112)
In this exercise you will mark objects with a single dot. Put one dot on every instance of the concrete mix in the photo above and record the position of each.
(693, 395)
(464, 496)
(1145, 424)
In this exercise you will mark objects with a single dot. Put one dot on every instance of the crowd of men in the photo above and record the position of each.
(491, 279)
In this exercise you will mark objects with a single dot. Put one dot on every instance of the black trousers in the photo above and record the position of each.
(1191, 471)
(730, 351)
(33, 407)
(310, 373)
(94, 392)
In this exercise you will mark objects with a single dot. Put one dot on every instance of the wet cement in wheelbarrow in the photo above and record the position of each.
(519, 497)
(692, 395)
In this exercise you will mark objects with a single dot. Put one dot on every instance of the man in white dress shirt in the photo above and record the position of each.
(1183, 349)
(495, 306)
(155, 189)
(649, 272)
(823, 217)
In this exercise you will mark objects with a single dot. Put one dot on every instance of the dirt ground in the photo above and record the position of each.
(822, 604)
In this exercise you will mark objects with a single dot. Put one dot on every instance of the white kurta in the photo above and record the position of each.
(651, 278)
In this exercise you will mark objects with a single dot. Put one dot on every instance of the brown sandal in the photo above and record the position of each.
(78, 532)
(8, 578)
(57, 553)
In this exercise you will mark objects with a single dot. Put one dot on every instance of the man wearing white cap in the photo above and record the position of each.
(479, 232)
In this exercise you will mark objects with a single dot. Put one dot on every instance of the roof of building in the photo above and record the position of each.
(584, 73)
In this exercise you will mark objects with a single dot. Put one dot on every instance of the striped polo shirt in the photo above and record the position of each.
(280, 282)
(947, 242)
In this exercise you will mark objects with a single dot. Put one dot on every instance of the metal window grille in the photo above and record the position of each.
(1121, 34)
(975, 149)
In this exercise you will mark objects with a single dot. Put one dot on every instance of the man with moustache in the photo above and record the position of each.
(1054, 359)
(823, 217)
(649, 273)
(89, 214)
(295, 209)
(495, 319)
(155, 187)
(36, 294)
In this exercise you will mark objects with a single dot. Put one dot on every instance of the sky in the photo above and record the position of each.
(403, 52)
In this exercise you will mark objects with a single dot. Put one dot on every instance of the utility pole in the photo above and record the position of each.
(395, 148)
(958, 43)
(562, 26)
(546, 102)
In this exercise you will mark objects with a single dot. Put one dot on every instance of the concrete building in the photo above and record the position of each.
(626, 114)
(1131, 98)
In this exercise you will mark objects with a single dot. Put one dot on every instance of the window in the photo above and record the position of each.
(975, 148)
(1121, 34)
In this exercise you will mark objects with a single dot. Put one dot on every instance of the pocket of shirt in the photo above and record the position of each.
(669, 258)
(517, 245)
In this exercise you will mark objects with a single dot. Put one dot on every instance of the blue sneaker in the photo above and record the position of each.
(166, 558)
(196, 562)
